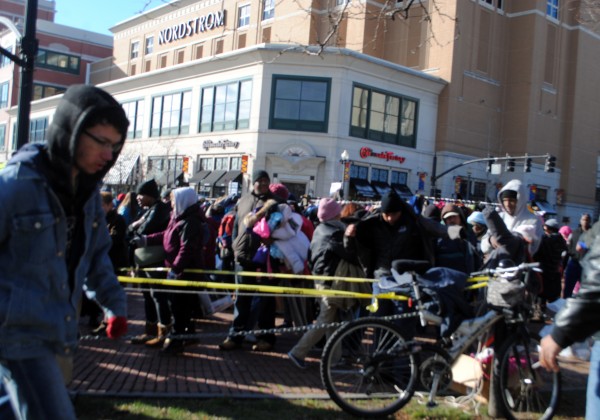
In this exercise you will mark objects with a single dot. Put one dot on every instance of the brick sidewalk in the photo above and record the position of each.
(109, 368)
(106, 367)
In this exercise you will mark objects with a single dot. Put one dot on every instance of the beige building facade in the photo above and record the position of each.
(409, 94)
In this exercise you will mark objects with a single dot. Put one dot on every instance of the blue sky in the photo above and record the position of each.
(99, 15)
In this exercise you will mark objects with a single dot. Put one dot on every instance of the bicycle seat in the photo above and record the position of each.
(418, 266)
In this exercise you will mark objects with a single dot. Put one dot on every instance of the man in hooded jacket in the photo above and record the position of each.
(512, 199)
(53, 244)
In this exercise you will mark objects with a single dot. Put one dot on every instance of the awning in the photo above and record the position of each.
(363, 188)
(382, 188)
(229, 177)
(120, 173)
(542, 207)
(403, 191)
(198, 176)
(213, 177)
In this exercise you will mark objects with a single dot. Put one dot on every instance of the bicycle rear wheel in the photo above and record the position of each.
(367, 370)
(526, 390)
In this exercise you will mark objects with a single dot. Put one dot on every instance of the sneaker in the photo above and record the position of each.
(262, 345)
(298, 362)
(230, 344)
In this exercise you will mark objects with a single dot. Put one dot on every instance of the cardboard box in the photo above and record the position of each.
(467, 372)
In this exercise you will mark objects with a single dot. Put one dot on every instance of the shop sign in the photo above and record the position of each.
(192, 27)
(366, 152)
(220, 144)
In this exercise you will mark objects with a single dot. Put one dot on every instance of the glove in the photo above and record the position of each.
(139, 241)
(172, 276)
(117, 327)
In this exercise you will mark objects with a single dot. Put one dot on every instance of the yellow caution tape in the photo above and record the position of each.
(262, 274)
(260, 288)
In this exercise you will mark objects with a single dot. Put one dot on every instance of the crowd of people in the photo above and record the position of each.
(269, 231)
(60, 263)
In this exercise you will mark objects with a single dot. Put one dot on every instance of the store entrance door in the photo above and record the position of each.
(298, 189)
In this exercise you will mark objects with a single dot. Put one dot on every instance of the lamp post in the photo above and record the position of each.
(345, 161)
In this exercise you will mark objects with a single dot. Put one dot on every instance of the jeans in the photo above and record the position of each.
(36, 388)
(592, 407)
(249, 311)
(572, 276)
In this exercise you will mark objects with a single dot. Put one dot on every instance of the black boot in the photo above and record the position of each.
(173, 346)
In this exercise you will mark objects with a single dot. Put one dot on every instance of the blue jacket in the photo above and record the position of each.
(40, 288)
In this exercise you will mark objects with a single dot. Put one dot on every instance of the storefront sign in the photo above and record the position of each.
(192, 27)
(366, 152)
(220, 144)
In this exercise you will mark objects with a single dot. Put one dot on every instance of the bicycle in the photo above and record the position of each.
(370, 370)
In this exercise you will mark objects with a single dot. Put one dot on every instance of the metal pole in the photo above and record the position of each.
(434, 175)
(29, 46)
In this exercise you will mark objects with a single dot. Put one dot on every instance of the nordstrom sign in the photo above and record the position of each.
(192, 27)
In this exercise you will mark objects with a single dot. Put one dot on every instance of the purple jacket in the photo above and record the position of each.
(183, 240)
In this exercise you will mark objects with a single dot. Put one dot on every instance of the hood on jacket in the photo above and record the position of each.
(184, 198)
(522, 196)
(81, 107)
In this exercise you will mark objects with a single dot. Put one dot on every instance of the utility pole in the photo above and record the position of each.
(28, 52)
(29, 47)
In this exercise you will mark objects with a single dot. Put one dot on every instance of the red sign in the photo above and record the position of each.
(366, 152)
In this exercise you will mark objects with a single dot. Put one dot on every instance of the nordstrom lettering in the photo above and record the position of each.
(192, 27)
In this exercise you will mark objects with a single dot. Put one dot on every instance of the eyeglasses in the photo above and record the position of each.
(105, 144)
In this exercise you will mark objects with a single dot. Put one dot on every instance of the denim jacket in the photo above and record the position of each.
(38, 309)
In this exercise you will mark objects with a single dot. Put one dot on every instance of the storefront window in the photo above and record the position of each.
(171, 114)
(135, 114)
(300, 103)
(226, 107)
(383, 117)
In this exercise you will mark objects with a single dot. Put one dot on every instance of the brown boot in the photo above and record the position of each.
(150, 332)
(163, 331)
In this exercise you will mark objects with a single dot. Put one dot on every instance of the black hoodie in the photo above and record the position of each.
(81, 107)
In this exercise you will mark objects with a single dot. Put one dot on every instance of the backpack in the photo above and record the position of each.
(225, 234)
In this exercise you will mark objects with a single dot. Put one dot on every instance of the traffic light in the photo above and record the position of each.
(185, 165)
(510, 165)
(489, 165)
(527, 166)
(550, 163)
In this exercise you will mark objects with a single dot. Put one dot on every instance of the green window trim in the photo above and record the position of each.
(382, 116)
(58, 61)
(300, 103)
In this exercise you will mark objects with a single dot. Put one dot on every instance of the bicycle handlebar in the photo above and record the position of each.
(493, 271)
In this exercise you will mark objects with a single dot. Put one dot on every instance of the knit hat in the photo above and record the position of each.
(328, 209)
(565, 231)
(432, 212)
(260, 173)
(279, 191)
(508, 194)
(149, 188)
(476, 217)
(391, 203)
(121, 197)
(552, 224)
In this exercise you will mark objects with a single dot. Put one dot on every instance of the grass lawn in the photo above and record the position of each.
(100, 408)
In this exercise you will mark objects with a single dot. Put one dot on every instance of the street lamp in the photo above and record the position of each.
(345, 161)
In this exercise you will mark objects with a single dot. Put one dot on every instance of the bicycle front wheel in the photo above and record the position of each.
(367, 369)
(525, 388)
